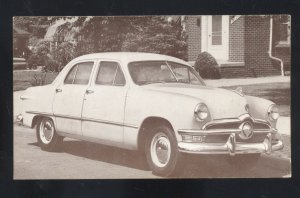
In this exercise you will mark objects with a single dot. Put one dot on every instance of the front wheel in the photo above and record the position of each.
(161, 151)
(47, 137)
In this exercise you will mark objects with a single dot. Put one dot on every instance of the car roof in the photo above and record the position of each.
(130, 57)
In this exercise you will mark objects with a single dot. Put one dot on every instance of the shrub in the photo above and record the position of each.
(38, 55)
(207, 66)
(33, 61)
(51, 64)
(38, 80)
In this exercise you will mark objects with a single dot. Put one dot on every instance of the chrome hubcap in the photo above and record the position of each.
(46, 131)
(160, 149)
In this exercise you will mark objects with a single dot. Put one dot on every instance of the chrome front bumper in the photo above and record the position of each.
(231, 147)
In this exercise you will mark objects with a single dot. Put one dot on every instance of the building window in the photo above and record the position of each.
(216, 30)
(284, 30)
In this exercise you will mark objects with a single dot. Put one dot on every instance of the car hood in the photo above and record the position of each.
(222, 103)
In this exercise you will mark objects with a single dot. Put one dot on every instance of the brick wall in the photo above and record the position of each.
(257, 33)
(236, 40)
(256, 42)
(194, 36)
(248, 42)
(284, 53)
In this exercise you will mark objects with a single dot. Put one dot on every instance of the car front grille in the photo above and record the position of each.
(222, 138)
(235, 125)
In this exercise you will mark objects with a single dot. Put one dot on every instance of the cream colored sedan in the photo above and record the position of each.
(153, 103)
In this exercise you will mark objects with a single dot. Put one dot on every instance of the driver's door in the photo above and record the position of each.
(103, 108)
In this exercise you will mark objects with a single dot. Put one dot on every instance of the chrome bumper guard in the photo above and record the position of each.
(231, 146)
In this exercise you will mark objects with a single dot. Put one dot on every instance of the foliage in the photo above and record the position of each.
(157, 36)
(64, 53)
(24, 79)
(33, 61)
(39, 54)
(38, 80)
(35, 25)
(104, 34)
(207, 66)
(141, 34)
(51, 64)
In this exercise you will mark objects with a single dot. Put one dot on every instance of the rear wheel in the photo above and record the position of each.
(47, 137)
(161, 151)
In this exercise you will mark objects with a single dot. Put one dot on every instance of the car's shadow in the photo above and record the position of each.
(107, 154)
(195, 166)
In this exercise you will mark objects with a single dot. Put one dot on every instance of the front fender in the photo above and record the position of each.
(259, 108)
(177, 109)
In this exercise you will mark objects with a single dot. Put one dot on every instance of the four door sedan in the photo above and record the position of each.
(153, 103)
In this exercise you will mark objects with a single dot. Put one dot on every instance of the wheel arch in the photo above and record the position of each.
(37, 118)
(145, 126)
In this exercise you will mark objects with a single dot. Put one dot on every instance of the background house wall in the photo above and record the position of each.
(249, 38)
(237, 40)
(257, 38)
(193, 28)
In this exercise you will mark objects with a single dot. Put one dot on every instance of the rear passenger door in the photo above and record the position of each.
(69, 95)
(103, 108)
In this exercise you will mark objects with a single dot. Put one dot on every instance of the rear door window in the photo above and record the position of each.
(80, 74)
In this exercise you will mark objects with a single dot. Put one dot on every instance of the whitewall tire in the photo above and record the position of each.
(46, 134)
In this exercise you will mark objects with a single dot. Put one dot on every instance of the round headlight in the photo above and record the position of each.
(201, 112)
(273, 112)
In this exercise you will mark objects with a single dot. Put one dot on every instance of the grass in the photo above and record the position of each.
(279, 93)
(22, 79)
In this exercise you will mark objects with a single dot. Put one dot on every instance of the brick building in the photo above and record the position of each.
(244, 46)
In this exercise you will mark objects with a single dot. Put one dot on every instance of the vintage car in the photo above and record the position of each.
(153, 103)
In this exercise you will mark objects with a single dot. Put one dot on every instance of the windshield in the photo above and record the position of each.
(147, 72)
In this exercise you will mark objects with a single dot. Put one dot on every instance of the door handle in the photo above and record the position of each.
(88, 91)
(58, 90)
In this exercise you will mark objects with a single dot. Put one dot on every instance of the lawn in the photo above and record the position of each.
(279, 93)
(22, 79)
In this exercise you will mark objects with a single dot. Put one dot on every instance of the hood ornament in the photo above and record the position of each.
(239, 90)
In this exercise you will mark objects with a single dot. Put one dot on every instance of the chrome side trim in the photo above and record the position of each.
(67, 116)
(40, 113)
(83, 119)
(109, 122)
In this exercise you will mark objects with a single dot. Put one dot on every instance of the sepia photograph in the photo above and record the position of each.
(151, 96)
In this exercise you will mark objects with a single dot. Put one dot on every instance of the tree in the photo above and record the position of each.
(106, 34)
(139, 34)
(155, 34)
